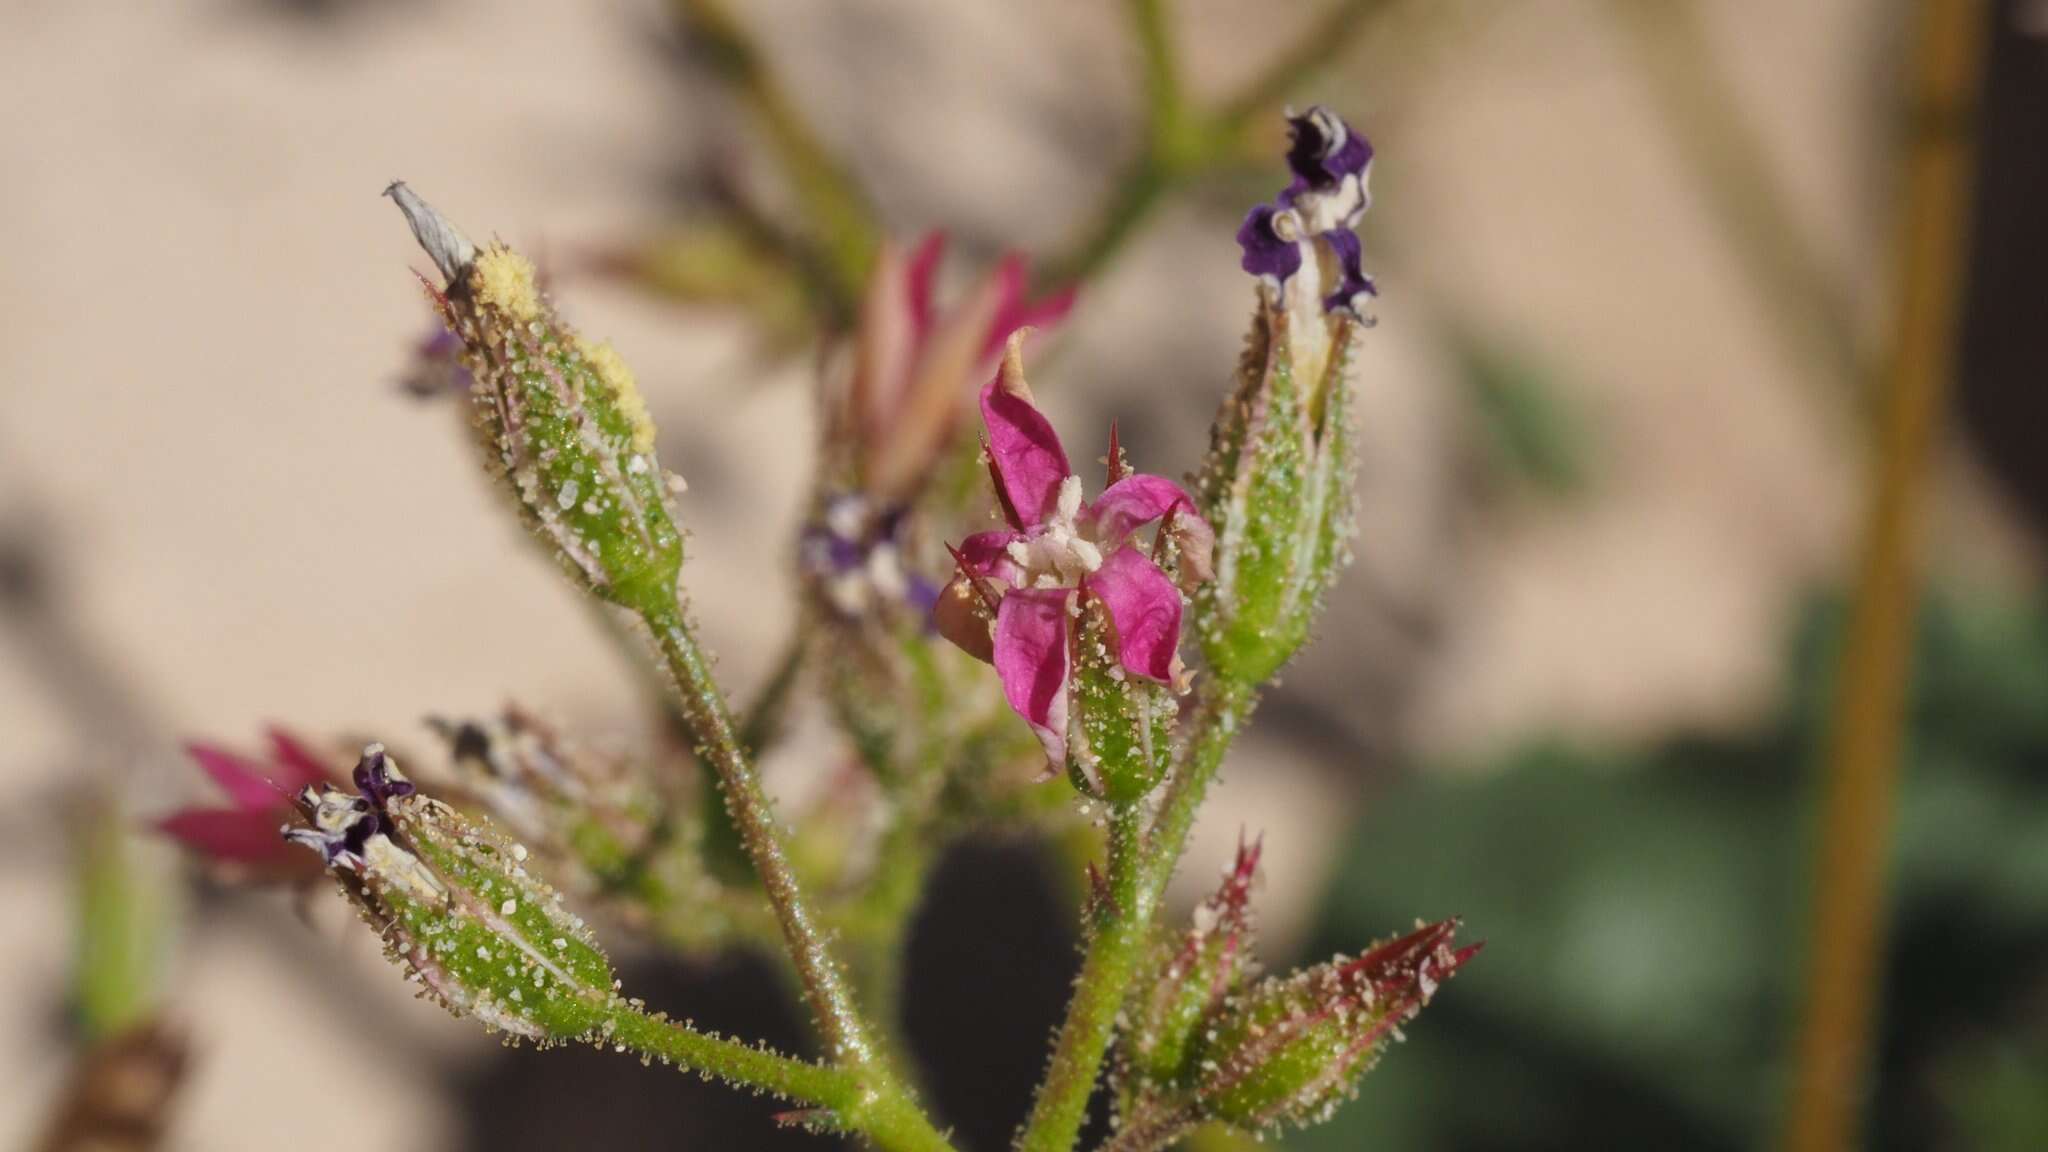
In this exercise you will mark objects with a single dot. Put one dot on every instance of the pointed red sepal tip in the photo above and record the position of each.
(988, 599)
(1403, 952)
(1117, 470)
(1237, 886)
(434, 291)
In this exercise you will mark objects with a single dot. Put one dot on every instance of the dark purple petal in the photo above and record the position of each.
(1130, 504)
(1324, 151)
(1023, 449)
(374, 780)
(1031, 660)
(1145, 607)
(1352, 282)
(1266, 252)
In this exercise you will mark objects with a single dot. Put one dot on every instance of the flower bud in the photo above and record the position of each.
(456, 906)
(1292, 1048)
(1277, 482)
(1119, 726)
(1192, 977)
(560, 418)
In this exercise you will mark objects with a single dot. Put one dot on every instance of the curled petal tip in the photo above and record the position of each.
(445, 244)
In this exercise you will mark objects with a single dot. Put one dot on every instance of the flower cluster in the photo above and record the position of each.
(1078, 603)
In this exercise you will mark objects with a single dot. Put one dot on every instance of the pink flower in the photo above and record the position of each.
(913, 362)
(246, 833)
(1019, 589)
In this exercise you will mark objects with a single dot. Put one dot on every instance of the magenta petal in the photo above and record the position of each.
(247, 837)
(1131, 503)
(1029, 462)
(297, 766)
(1145, 607)
(1031, 660)
(988, 554)
(1013, 311)
(246, 782)
(920, 278)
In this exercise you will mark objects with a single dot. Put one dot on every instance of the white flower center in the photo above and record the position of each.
(1056, 555)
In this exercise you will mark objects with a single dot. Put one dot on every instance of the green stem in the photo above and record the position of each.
(752, 813)
(1121, 919)
(1140, 864)
(1219, 716)
(833, 204)
(1313, 52)
(883, 1111)
(798, 1081)
(888, 1119)
(1182, 142)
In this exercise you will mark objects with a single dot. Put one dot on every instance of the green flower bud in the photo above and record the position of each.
(560, 418)
(1277, 485)
(1292, 1048)
(1277, 489)
(1192, 977)
(1119, 726)
(457, 907)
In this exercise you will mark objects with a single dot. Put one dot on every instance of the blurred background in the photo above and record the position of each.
(1694, 652)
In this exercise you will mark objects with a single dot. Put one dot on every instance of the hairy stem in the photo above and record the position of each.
(797, 1081)
(887, 1119)
(1117, 932)
(1220, 714)
(753, 815)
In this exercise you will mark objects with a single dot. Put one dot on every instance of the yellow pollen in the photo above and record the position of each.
(612, 370)
(504, 280)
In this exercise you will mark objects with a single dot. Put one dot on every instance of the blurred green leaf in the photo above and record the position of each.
(1643, 915)
(1532, 432)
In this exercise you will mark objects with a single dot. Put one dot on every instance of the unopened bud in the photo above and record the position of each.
(1119, 726)
(1292, 1048)
(1277, 483)
(560, 418)
(1192, 976)
(457, 907)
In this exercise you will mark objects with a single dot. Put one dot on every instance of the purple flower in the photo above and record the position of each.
(1019, 589)
(1312, 220)
(260, 799)
(339, 826)
(853, 554)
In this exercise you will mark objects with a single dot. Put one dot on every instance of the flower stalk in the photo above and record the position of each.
(562, 422)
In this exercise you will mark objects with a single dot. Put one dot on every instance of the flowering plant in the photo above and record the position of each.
(474, 873)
